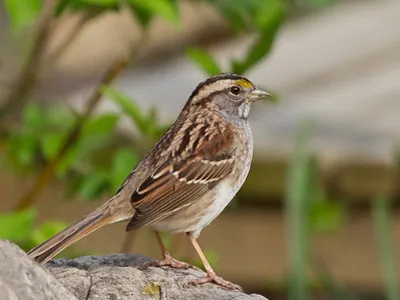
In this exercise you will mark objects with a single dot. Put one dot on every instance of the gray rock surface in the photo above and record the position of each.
(111, 277)
(23, 279)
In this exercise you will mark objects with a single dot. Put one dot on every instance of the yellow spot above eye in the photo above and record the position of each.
(244, 83)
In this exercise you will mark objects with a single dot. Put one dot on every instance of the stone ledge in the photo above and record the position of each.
(114, 277)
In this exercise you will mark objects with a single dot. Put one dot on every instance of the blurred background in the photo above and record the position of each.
(88, 86)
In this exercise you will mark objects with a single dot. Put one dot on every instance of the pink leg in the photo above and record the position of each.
(211, 276)
(168, 260)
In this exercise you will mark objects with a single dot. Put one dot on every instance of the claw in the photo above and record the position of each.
(169, 261)
(213, 278)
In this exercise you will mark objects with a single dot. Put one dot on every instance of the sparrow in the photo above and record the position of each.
(187, 179)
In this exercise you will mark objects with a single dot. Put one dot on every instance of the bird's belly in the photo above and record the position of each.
(221, 195)
(195, 217)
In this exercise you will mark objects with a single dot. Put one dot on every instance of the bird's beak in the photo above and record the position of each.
(258, 94)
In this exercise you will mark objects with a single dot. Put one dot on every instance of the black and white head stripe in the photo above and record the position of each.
(218, 83)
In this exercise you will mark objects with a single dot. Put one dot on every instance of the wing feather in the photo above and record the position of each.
(183, 178)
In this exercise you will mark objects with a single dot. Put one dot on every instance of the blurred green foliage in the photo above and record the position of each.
(22, 12)
(40, 135)
(308, 211)
(19, 227)
(204, 60)
(384, 234)
(299, 192)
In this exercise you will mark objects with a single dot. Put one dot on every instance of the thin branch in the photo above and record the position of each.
(28, 78)
(46, 63)
(66, 43)
(48, 172)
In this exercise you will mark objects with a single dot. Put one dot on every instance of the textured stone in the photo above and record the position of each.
(111, 277)
(117, 277)
(23, 279)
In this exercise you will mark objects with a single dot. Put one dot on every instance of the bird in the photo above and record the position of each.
(187, 179)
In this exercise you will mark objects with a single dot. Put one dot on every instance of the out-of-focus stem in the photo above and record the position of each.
(27, 79)
(48, 172)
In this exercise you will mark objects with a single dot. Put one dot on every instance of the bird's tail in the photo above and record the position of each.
(73, 233)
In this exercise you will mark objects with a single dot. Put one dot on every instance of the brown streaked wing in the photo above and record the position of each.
(183, 180)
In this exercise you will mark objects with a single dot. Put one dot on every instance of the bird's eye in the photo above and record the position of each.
(235, 90)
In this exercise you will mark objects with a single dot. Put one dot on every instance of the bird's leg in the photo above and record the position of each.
(168, 260)
(211, 276)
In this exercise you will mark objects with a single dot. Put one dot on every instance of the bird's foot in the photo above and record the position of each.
(213, 278)
(169, 261)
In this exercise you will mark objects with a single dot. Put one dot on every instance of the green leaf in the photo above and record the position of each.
(33, 117)
(105, 3)
(167, 9)
(93, 185)
(22, 12)
(123, 163)
(204, 60)
(69, 159)
(51, 143)
(326, 216)
(100, 125)
(23, 148)
(59, 119)
(384, 234)
(239, 13)
(144, 17)
(129, 107)
(267, 14)
(317, 3)
(299, 189)
(46, 231)
(268, 19)
(93, 7)
(89, 144)
(17, 226)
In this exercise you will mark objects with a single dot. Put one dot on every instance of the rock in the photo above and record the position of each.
(110, 277)
(23, 279)
(117, 277)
